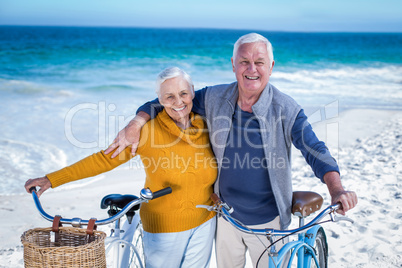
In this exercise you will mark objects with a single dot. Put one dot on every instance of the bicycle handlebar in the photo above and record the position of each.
(145, 196)
(162, 192)
(226, 211)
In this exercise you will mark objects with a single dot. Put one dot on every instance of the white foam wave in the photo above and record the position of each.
(20, 161)
(28, 88)
(353, 85)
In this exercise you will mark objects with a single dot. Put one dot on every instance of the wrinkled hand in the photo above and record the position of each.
(130, 135)
(43, 183)
(348, 199)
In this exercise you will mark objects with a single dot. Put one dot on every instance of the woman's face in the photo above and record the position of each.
(176, 95)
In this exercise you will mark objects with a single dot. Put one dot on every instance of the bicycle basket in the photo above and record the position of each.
(74, 248)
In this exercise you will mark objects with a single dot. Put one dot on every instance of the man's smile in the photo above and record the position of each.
(252, 77)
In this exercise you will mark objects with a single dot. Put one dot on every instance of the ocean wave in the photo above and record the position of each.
(23, 87)
(389, 74)
(20, 86)
(362, 84)
(111, 87)
(20, 161)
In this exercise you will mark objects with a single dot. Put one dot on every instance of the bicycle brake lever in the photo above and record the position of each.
(342, 218)
(209, 208)
(228, 208)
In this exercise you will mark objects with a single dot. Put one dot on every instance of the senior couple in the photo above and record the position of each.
(248, 120)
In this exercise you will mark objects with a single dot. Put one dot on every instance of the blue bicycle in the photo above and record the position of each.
(310, 248)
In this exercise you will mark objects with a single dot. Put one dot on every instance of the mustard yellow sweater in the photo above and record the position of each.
(181, 159)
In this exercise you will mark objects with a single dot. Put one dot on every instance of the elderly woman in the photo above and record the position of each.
(174, 148)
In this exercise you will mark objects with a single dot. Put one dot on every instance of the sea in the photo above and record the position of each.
(65, 92)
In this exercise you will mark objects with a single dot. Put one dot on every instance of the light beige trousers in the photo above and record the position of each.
(232, 245)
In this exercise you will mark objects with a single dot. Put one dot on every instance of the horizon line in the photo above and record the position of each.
(197, 28)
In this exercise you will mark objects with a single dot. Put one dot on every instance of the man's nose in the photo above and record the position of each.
(252, 67)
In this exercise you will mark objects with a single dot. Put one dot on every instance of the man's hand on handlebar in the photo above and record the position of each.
(43, 183)
(348, 200)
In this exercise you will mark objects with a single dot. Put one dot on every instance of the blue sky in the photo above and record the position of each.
(281, 15)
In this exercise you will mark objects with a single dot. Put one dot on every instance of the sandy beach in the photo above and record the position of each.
(367, 145)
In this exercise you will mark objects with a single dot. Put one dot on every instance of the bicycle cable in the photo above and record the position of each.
(282, 238)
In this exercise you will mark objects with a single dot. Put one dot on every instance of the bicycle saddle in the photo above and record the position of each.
(306, 203)
(119, 201)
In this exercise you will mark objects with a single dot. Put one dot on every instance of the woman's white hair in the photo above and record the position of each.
(173, 72)
(253, 38)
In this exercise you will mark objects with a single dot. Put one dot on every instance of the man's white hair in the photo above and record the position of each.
(172, 72)
(253, 38)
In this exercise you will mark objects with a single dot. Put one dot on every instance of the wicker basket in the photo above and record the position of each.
(74, 248)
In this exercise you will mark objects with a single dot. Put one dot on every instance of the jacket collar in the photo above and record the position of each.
(233, 95)
(265, 100)
(260, 107)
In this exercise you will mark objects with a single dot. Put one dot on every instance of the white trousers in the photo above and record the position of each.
(191, 248)
(232, 244)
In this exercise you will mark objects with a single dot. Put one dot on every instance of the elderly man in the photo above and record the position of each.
(252, 127)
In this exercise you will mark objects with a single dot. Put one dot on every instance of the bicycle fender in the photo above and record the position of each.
(311, 234)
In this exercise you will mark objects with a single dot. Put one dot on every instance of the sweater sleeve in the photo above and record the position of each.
(314, 151)
(88, 167)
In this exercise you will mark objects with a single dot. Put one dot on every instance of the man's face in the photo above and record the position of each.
(252, 68)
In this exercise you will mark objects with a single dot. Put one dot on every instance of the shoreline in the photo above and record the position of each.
(365, 144)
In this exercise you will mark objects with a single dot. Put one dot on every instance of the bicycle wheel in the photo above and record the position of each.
(139, 245)
(321, 249)
(127, 251)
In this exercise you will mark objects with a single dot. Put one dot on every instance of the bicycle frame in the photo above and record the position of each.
(302, 248)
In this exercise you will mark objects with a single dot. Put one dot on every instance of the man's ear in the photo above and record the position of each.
(272, 67)
(233, 67)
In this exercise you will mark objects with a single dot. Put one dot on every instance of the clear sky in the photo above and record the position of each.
(280, 15)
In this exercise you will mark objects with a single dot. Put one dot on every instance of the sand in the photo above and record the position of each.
(367, 145)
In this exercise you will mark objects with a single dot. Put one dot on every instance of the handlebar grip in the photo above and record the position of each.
(216, 199)
(337, 206)
(32, 189)
(162, 192)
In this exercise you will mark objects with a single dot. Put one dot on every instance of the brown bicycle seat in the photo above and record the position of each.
(305, 203)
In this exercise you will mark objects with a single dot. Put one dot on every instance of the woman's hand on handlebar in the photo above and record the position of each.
(44, 184)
